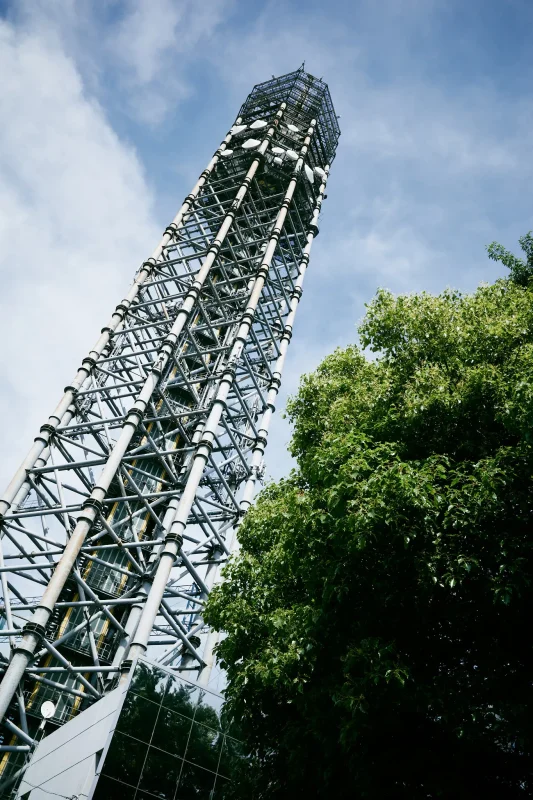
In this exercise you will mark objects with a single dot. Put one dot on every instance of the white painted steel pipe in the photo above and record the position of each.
(263, 430)
(130, 627)
(175, 534)
(34, 630)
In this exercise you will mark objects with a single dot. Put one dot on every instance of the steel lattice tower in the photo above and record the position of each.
(127, 503)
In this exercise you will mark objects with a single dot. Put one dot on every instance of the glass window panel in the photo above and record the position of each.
(125, 759)
(204, 746)
(149, 682)
(196, 783)
(108, 789)
(208, 710)
(172, 732)
(160, 774)
(233, 757)
(138, 717)
(181, 696)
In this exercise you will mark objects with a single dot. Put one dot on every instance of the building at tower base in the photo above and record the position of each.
(156, 736)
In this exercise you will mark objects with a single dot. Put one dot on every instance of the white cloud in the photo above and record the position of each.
(152, 46)
(418, 122)
(139, 52)
(76, 220)
(141, 44)
(383, 240)
(152, 30)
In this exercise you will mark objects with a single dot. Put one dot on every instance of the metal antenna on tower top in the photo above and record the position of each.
(128, 501)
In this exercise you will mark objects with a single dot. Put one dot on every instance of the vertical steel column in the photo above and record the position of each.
(275, 383)
(263, 429)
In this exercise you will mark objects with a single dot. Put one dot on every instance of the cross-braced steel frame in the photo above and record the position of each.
(116, 524)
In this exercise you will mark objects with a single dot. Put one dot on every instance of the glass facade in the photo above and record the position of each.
(171, 741)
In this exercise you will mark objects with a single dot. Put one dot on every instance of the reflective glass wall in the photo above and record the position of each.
(171, 742)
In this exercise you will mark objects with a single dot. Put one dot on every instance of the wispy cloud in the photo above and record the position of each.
(77, 218)
(153, 44)
(140, 55)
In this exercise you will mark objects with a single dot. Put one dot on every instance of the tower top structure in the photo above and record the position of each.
(306, 97)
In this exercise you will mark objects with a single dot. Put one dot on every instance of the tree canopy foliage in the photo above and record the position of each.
(378, 614)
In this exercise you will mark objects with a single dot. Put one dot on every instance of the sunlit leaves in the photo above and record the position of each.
(377, 614)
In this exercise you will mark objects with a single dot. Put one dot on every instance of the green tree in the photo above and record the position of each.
(378, 615)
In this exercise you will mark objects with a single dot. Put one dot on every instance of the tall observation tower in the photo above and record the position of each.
(116, 524)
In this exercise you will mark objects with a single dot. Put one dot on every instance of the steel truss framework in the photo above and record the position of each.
(127, 504)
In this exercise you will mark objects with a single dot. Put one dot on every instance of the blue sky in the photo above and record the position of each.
(111, 109)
